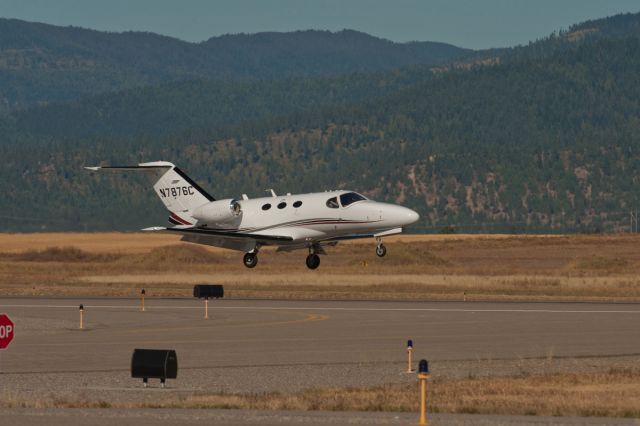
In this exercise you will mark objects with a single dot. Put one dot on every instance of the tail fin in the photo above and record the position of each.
(180, 195)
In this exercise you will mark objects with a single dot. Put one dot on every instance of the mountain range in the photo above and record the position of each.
(536, 138)
(41, 63)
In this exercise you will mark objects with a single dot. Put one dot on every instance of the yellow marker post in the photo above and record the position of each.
(409, 352)
(206, 308)
(142, 293)
(81, 314)
(423, 376)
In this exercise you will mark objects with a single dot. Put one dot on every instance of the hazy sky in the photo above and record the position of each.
(467, 23)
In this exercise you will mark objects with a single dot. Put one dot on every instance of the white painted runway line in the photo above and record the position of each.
(333, 308)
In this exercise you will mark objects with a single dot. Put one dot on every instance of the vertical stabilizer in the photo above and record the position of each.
(177, 191)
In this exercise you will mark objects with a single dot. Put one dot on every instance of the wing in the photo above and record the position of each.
(229, 234)
(393, 231)
(227, 239)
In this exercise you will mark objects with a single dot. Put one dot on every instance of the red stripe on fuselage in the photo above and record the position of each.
(179, 219)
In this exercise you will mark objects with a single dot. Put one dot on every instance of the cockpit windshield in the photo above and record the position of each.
(350, 198)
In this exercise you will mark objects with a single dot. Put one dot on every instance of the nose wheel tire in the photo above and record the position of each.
(250, 260)
(381, 250)
(313, 261)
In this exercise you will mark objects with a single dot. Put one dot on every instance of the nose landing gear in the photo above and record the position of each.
(381, 250)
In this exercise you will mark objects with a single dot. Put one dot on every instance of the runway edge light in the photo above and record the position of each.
(142, 293)
(81, 309)
(409, 355)
(423, 376)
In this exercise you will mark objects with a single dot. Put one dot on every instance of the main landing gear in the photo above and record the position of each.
(381, 250)
(313, 261)
(250, 259)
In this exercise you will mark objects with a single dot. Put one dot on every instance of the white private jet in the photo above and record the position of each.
(301, 221)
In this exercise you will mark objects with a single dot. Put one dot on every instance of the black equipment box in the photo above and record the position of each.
(154, 364)
(208, 291)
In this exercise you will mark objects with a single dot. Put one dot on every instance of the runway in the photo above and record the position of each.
(285, 333)
(253, 346)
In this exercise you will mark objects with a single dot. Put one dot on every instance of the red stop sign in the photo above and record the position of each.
(6, 331)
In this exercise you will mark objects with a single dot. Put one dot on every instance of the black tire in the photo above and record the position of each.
(381, 250)
(313, 261)
(250, 260)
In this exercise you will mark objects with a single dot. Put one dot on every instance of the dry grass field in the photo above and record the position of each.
(443, 267)
(614, 393)
(434, 267)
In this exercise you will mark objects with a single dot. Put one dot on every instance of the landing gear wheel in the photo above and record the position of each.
(250, 260)
(313, 261)
(381, 250)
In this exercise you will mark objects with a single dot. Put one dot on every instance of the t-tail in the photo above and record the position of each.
(180, 195)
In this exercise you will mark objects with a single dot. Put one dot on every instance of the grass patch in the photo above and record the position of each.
(601, 263)
(582, 267)
(614, 393)
(173, 256)
(60, 254)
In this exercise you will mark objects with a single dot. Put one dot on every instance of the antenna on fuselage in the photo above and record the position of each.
(273, 193)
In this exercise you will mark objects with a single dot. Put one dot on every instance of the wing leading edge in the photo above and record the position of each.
(190, 230)
(388, 232)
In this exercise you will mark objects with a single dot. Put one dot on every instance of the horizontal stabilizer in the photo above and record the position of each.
(177, 191)
(139, 167)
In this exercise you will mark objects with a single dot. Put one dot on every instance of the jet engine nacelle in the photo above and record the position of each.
(221, 213)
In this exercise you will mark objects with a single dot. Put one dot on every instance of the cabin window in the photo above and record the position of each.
(332, 203)
(297, 204)
(350, 198)
(282, 205)
(266, 206)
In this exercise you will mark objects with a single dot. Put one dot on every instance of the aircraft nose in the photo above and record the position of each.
(412, 216)
(400, 216)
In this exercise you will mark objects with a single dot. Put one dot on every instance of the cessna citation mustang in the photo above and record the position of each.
(301, 221)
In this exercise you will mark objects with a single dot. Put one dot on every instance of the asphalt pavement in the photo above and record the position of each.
(261, 346)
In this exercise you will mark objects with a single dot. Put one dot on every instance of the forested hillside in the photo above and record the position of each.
(203, 104)
(539, 140)
(40, 63)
